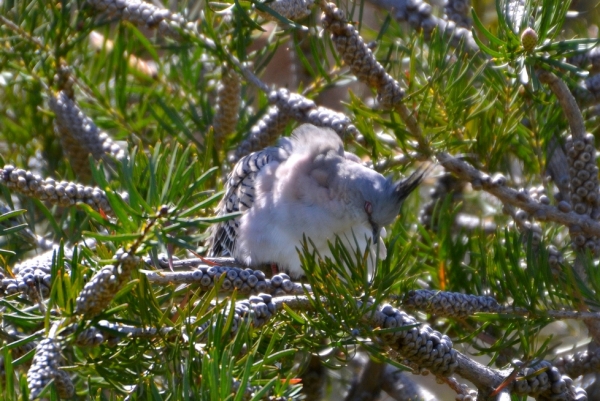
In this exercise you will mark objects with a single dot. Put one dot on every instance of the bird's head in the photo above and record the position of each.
(381, 198)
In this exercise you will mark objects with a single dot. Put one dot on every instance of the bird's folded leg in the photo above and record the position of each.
(274, 268)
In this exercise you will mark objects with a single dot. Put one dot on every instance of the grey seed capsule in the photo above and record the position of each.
(583, 175)
(261, 286)
(252, 280)
(71, 191)
(49, 190)
(589, 138)
(585, 157)
(522, 195)
(544, 200)
(498, 179)
(521, 215)
(580, 208)
(572, 153)
(287, 285)
(589, 185)
(21, 182)
(559, 387)
(11, 289)
(390, 323)
(564, 206)
(206, 281)
(388, 310)
(581, 191)
(277, 280)
(226, 285)
(579, 240)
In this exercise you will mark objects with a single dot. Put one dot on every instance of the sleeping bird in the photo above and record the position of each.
(306, 186)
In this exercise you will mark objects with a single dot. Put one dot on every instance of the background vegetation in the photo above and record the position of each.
(152, 108)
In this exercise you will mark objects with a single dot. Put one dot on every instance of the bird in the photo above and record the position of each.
(307, 186)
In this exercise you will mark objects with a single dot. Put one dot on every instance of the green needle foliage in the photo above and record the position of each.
(155, 94)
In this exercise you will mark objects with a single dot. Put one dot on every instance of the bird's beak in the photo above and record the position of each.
(376, 232)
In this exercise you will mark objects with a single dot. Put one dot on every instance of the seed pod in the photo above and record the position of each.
(44, 367)
(290, 9)
(228, 103)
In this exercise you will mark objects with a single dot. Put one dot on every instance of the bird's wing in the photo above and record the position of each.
(239, 197)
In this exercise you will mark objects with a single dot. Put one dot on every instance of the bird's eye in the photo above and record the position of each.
(368, 207)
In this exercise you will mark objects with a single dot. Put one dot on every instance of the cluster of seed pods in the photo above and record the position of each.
(244, 280)
(357, 55)
(45, 367)
(290, 9)
(262, 134)
(288, 106)
(62, 193)
(32, 277)
(458, 11)
(579, 363)
(585, 198)
(229, 92)
(306, 111)
(451, 304)
(422, 346)
(79, 136)
(145, 14)
(544, 382)
(101, 289)
(256, 311)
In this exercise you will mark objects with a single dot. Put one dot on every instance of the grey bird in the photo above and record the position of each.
(306, 186)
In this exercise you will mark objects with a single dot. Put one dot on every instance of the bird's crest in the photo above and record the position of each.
(405, 186)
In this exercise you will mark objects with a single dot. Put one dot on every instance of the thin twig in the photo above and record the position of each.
(510, 196)
(567, 102)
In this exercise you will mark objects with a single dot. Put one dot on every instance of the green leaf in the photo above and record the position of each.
(12, 214)
(486, 49)
(479, 25)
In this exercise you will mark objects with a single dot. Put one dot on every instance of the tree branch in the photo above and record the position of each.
(513, 197)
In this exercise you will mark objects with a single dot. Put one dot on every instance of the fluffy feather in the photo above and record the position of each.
(306, 186)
